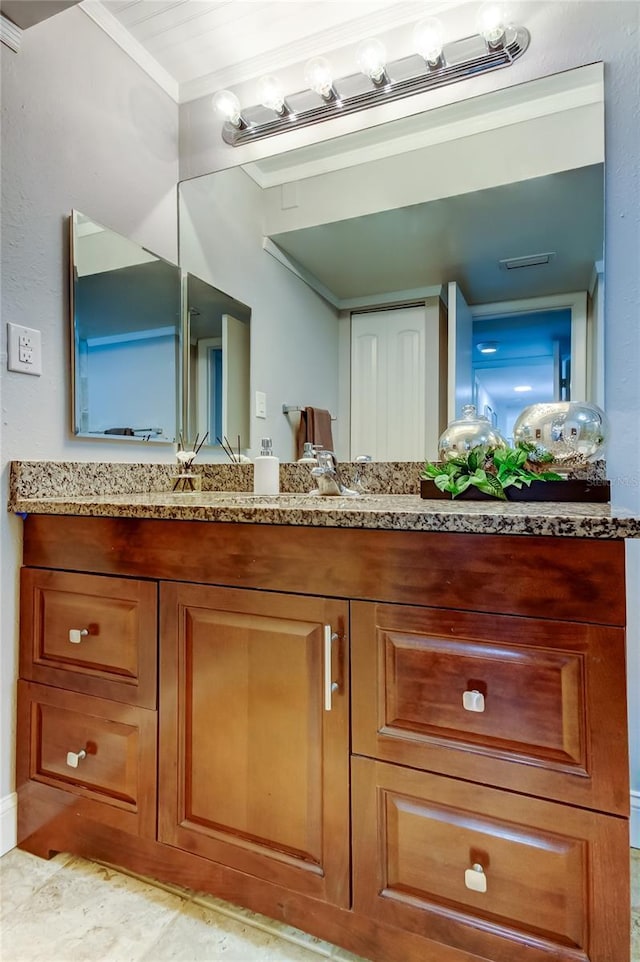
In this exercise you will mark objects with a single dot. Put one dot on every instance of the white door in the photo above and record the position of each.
(460, 353)
(222, 388)
(390, 389)
(235, 380)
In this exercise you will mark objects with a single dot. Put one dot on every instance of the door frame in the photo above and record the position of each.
(581, 346)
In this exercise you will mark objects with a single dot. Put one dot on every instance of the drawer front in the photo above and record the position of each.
(486, 870)
(103, 751)
(90, 634)
(533, 705)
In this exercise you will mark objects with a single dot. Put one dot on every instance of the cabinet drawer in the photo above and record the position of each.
(104, 752)
(537, 706)
(486, 870)
(90, 633)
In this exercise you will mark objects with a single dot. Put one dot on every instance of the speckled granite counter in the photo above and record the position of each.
(50, 489)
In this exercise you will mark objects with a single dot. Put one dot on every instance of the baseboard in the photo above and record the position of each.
(8, 825)
(634, 827)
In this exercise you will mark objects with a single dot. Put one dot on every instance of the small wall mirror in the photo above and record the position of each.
(126, 337)
(131, 314)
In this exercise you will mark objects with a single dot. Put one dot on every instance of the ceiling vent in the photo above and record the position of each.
(531, 260)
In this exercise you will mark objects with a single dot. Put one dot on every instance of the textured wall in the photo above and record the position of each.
(82, 127)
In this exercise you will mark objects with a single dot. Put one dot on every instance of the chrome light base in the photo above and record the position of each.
(408, 76)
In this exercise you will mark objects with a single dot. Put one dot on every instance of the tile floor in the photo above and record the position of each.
(71, 910)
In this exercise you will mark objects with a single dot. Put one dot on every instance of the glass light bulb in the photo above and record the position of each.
(319, 76)
(271, 95)
(427, 39)
(228, 105)
(371, 58)
(491, 21)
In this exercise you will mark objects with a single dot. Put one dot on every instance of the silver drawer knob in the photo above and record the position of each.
(74, 758)
(473, 700)
(475, 879)
(77, 634)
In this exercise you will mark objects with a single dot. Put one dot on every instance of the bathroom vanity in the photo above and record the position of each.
(397, 725)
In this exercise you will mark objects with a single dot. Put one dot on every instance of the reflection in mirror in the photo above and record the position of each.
(494, 207)
(126, 336)
(217, 396)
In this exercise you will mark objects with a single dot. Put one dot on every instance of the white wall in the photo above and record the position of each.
(82, 127)
(294, 332)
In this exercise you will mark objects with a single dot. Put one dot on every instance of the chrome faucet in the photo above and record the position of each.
(328, 477)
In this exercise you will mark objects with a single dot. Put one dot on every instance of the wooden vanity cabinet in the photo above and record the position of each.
(481, 809)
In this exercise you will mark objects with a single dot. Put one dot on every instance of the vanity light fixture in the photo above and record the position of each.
(522, 388)
(487, 347)
(435, 63)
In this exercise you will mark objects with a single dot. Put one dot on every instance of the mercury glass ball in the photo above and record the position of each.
(471, 430)
(574, 432)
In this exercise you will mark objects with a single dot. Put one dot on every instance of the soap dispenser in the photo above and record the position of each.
(266, 470)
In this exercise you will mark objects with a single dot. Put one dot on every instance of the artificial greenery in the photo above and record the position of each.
(491, 470)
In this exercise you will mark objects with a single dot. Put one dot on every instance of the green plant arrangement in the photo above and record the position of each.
(491, 470)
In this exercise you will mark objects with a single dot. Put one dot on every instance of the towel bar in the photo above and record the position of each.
(288, 408)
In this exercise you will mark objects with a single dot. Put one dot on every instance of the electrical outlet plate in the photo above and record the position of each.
(24, 349)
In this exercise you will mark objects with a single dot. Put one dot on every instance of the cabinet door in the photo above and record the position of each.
(254, 745)
(528, 704)
(490, 872)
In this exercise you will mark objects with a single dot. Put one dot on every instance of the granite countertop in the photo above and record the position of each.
(48, 488)
(395, 511)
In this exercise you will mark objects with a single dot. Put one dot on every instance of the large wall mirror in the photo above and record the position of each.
(133, 313)
(492, 208)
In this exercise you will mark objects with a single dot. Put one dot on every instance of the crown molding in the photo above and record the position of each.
(397, 14)
(120, 35)
(10, 34)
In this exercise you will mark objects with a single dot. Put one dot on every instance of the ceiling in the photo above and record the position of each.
(195, 47)
(464, 238)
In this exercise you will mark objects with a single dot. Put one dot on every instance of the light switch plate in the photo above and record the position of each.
(261, 404)
(24, 349)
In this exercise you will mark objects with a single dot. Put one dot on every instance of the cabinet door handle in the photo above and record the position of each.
(475, 879)
(74, 758)
(77, 634)
(473, 700)
(329, 685)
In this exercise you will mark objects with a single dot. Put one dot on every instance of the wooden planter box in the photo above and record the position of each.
(571, 490)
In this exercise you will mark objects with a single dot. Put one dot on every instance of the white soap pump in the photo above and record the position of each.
(266, 470)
